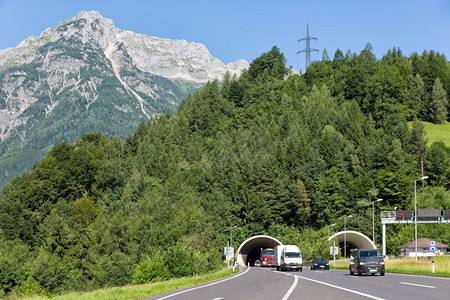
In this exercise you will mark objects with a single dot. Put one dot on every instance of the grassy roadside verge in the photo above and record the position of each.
(339, 265)
(409, 266)
(142, 290)
(422, 267)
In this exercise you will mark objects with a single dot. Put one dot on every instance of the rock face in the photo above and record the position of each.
(87, 75)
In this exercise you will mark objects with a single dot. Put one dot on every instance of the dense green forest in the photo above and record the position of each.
(266, 152)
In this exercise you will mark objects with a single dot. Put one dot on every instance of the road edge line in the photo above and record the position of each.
(202, 286)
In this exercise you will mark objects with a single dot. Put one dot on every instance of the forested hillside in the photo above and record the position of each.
(265, 152)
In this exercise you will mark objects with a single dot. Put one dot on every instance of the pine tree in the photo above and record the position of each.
(325, 56)
(338, 55)
(439, 102)
(349, 55)
(419, 96)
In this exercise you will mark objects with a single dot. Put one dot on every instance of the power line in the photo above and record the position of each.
(308, 49)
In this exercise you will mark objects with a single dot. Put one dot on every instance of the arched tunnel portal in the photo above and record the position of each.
(250, 249)
(354, 239)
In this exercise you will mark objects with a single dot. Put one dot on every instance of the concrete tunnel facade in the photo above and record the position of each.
(249, 250)
(354, 239)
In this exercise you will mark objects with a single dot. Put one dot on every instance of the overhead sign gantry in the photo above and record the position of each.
(407, 217)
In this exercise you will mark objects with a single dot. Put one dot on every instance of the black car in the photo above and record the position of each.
(367, 261)
(319, 263)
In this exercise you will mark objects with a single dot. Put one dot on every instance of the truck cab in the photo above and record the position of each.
(267, 257)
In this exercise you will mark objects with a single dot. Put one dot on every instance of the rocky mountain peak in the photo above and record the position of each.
(85, 28)
(88, 75)
(89, 16)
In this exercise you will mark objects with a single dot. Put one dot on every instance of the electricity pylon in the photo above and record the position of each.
(308, 49)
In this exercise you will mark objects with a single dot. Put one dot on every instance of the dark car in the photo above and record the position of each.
(319, 263)
(368, 261)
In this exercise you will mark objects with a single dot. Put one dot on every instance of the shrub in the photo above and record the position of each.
(14, 256)
(151, 269)
(30, 287)
(182, 262)
(50, 272)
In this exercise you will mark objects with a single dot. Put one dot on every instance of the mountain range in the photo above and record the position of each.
(86, 75)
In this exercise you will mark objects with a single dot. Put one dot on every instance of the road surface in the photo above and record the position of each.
(267, 283)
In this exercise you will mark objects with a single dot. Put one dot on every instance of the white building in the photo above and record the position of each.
(424, 248)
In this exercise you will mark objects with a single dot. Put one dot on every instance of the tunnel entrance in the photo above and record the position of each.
(354, 239)
(349, 247)
(250, 249)
(252, 256)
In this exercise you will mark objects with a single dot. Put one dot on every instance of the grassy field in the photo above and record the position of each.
(409, 266)
(138, 291)
(422, 267)
(438, 132)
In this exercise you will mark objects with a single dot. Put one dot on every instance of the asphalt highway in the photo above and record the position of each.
(267, 283)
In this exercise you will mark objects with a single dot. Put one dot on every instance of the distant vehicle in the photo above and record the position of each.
(319, 263)
(288, 257)
(267, 257)
(257, 263)
(367, 261)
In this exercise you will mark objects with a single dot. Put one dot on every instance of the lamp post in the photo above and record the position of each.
(334, 255)
(345, 235)
(373, 219)
(415, 212)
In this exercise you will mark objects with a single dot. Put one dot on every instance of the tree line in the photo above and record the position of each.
(268, 152)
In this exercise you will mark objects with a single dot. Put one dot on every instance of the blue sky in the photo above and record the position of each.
(235, 29)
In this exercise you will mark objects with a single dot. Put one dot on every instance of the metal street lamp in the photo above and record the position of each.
(334, 253)
(415, 212)
(345, 235)
(373, 219)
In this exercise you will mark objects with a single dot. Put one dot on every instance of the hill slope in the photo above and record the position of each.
(262, 152)
(438, 133)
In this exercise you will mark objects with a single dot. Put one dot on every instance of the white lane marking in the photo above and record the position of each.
(206, 285)
(217, 298)
(281, 272)
(399, 274)
(342, 288)
(291, 289)
(339, 287)
(422, 276)
(419, 285)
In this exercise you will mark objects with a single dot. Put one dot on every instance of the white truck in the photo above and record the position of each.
(288, 257)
